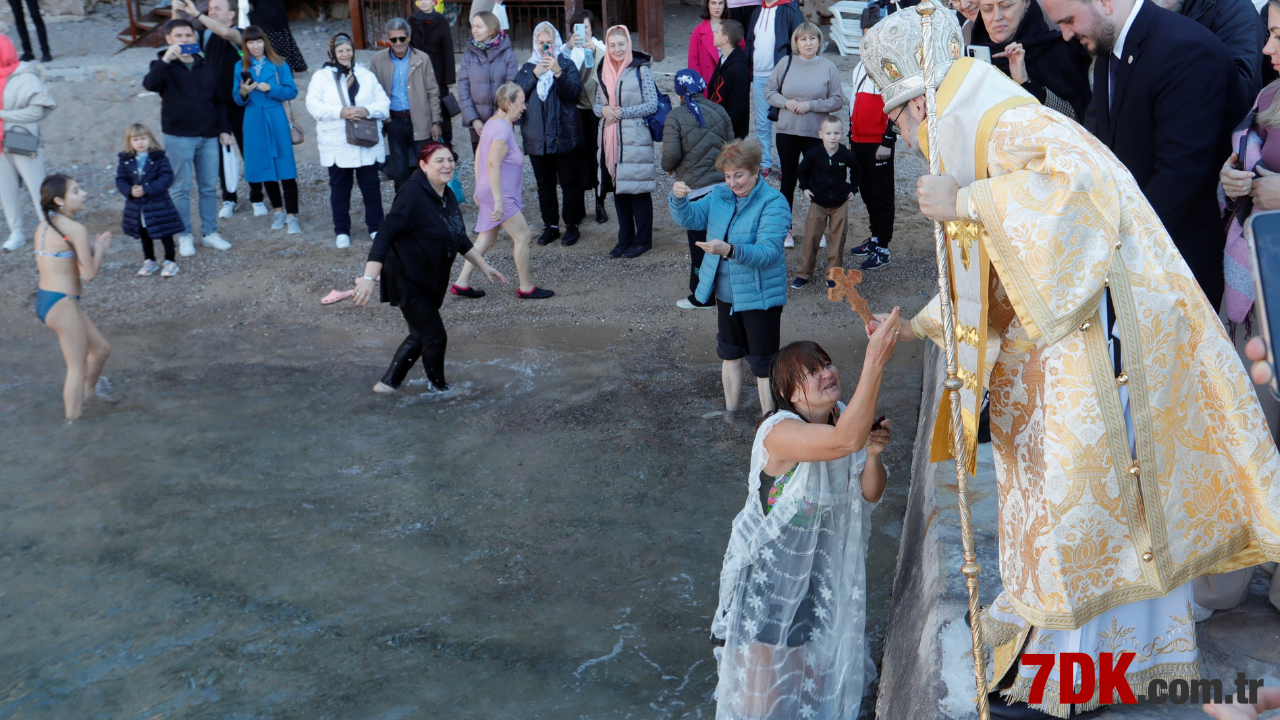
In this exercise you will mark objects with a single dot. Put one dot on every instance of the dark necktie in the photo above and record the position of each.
(1113, 62)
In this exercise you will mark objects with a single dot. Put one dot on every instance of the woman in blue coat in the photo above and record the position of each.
(143, 177)
(264, 85)
(744, 268)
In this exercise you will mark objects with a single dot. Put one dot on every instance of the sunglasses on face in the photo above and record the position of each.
(398, 40)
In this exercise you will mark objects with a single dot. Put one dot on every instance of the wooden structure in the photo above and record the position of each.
(643, 17)
(145, 29)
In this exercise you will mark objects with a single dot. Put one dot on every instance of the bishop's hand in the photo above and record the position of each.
(937, 197)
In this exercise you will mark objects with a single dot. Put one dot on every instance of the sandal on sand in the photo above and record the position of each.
(336, 296)
(465, 291)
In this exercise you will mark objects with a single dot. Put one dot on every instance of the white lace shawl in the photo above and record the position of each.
(812, 543)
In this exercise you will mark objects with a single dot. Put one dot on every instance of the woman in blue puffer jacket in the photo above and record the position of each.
(745, 267)
(143, 177)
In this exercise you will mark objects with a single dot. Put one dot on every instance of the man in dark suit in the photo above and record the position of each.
(1164, 101)
(1235, 22)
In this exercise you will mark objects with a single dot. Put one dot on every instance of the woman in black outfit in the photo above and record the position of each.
(273, 17)
(1034, 55)
(38, 21)
(414, 251)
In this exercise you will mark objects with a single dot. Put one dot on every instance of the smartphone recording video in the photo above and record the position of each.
(1262, 232)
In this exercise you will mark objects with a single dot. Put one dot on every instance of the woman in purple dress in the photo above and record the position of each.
(499, 164)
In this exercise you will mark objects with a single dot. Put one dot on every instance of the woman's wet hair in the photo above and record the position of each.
(788, 370)
(53, 188)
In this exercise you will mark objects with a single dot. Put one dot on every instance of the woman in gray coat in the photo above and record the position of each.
(488, 63)
(627, 95)
(26, 101)
(692, 138)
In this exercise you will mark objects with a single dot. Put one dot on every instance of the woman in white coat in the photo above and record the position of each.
(343, 90)
(26, 101)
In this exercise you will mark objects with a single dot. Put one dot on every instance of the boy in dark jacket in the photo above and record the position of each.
(828, 175)
(730, 83)
(431, 34)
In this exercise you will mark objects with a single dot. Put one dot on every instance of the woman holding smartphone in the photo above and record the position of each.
(265, 83)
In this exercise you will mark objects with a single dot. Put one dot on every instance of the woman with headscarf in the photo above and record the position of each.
(692, 138)
(552, 132)
(26, 101)
(626, 97)
(422, 237)
(343, 90)
(1024, 47)
(587, 52)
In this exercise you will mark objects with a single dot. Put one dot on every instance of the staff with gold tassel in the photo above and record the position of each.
(959, 448)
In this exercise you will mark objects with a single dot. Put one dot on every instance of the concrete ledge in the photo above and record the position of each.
(927, 670)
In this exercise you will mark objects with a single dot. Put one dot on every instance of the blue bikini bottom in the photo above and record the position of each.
(46, 299)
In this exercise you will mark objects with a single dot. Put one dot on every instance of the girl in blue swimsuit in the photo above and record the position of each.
(66, 257)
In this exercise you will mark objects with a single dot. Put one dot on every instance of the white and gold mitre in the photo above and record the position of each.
(893, 52)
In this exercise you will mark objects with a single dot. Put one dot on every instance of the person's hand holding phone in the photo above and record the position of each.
(1266, 189)
(172, 53)
(1235, 182)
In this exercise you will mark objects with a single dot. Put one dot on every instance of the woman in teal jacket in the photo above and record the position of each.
(745, 267)
(268, 146)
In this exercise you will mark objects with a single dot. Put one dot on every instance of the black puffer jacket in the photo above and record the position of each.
(691, 151)
(551, 126)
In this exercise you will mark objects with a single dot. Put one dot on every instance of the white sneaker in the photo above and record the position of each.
(228, 208)
(294, 227)
(16, 240)
(215, 241)
(277, 221)
(790, 242)
(186, 245)
(344, 241)
(823, 242)
(259, 209)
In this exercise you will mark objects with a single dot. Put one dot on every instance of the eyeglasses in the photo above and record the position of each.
(894, 119)
(398, 40)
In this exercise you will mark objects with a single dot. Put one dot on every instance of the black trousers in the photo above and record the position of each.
(446, 124)
(635, 218)
(402, 150)
(427, 340)
(561, 167)
(340, 197)
(21, 22)
(877, 190)
(790, 150)
(273, 191)
(148, 248)
(235, 116)
(588, 166)
(742, 15)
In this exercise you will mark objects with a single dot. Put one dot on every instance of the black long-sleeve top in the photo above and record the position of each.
(430, 33)
(831, 178)
(418, 242)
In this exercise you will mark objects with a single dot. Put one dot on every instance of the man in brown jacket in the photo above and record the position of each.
(407, 77)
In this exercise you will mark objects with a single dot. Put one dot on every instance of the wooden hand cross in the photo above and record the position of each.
(846, 288)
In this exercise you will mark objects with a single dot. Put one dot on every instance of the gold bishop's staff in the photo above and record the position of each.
(970, 569)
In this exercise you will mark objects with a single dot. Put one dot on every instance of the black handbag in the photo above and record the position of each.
(361, 132)
(451, 106)
(17, 141)
(773, 111)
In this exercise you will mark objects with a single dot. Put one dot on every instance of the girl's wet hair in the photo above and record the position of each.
(53, 188)
(793, 363)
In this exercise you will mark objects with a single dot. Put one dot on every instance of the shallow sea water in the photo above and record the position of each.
(268, 539)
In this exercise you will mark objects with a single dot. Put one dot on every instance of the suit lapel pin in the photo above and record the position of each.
(1130, 59)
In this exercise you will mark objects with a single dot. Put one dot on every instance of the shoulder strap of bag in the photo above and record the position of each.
(783, 81)
(337, 78)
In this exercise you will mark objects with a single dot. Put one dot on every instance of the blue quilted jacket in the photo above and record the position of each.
(758, 270)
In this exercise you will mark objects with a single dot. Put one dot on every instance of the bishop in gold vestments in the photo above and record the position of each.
(1131, 452)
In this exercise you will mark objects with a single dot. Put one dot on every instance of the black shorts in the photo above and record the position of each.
(753, 334)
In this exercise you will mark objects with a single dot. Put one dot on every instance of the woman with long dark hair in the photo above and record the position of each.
(414, 252)
(791, 621)
(264, 85)
(66, 258)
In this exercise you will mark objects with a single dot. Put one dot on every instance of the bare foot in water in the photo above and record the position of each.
(383, 388)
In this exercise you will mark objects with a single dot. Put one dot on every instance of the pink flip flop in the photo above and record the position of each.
(336, 296)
